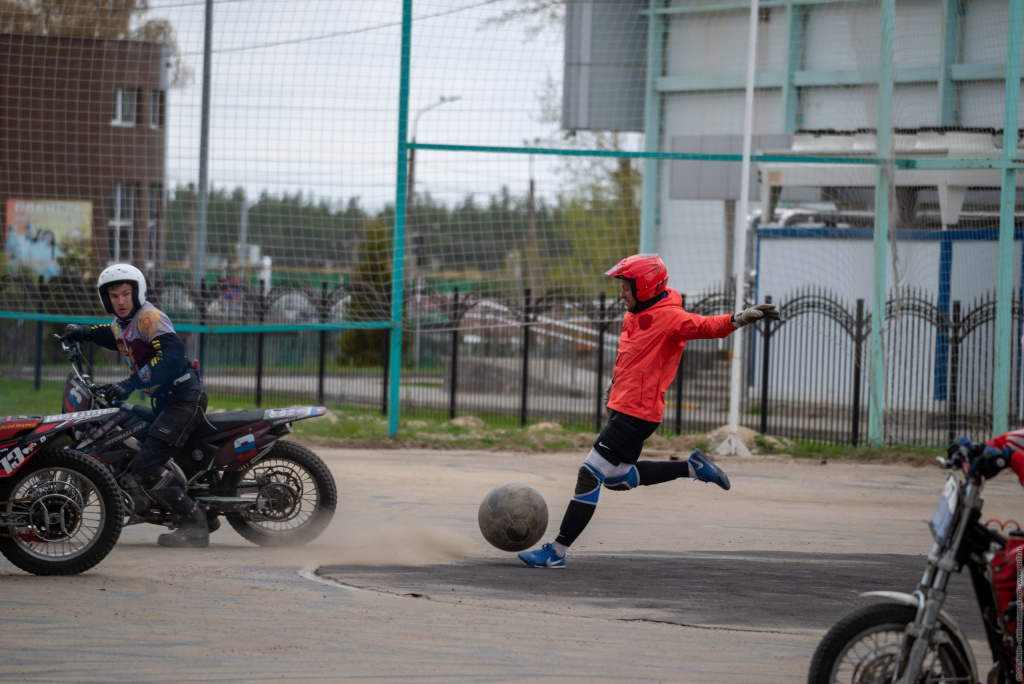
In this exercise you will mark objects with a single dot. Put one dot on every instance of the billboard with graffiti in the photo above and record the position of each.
(38, 232)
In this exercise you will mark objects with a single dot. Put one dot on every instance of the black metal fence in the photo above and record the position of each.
(550, 357)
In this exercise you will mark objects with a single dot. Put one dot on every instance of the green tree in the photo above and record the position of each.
(371, 297)
(117, 19)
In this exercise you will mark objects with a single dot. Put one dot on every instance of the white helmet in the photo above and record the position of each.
(122, 273)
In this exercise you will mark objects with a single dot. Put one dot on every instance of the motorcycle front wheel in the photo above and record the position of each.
(68, 510)
(864, 648)
(293, 493)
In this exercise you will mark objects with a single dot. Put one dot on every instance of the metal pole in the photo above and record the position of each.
(323, 346)
(456, 318)
(199, 276)
(394, 361)
(883, 178)
(1005, 341)
(732, 443)
(526, 357)
(599, 409)
(262, 303)
(764, 371)
(652, 127)
(37, 379)
(858, 369)
(953, 403)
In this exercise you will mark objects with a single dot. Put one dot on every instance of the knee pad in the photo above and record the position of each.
(620, 477)
(628, 480)
(588, 485)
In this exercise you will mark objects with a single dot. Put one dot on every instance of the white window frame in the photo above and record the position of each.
(156, 99)
(126, 106)
(154, 216)
(122, 198)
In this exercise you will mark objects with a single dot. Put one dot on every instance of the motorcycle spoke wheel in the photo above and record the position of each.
(293, 493)
(68, 511)
(867, 647)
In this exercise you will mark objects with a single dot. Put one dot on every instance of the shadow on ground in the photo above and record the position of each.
(761, 591)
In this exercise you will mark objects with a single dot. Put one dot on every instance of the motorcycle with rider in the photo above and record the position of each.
(145, 338)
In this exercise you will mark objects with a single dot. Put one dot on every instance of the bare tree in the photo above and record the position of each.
(117, 19)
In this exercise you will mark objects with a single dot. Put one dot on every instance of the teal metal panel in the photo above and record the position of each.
(796, 25)
(398, 264)
(977, 72)
(934, 164)
(876, 377)
(210, 329)
(1005, 338)
(736, 6)
(732, 81)
(652, 131)
(948, 56)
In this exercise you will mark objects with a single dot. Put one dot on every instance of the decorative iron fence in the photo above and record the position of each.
(550, 357)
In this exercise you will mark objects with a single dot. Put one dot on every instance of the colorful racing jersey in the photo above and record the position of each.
(151, 349)
(650, 347)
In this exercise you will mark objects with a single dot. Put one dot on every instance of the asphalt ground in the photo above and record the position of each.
(681, 582)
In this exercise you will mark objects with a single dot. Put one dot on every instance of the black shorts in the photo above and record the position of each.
(623, 438)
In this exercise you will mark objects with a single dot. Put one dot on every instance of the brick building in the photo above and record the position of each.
(83, 120)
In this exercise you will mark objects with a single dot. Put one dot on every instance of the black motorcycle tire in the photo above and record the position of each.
(286, 457)
(53, 557)
(871, 620)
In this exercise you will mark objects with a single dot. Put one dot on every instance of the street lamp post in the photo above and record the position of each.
(410, 217)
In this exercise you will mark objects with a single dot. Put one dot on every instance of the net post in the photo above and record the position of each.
(1007, 201)
(733, 444)
(398, 254)
(883, 177)
(652, 129)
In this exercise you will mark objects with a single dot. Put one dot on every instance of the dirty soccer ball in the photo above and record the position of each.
(513, 516)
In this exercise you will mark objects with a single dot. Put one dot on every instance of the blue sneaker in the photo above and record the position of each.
(705, 469)
(544, 557)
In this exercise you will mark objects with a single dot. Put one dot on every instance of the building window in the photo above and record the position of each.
(156, 108)
(153, 227)
(125, 106)
(122, 219)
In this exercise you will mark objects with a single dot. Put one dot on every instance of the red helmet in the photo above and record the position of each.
(646, 271)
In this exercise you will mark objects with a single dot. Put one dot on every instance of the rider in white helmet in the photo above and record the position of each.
(144, 336)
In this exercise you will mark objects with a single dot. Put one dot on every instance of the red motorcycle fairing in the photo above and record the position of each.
(14, 454)
(33, 431)
(13, 426)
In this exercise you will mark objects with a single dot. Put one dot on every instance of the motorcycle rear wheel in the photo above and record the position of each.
(294, 497)
(862, 648)
(74, 510)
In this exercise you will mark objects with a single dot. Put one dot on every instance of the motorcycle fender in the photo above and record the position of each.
(945, 618)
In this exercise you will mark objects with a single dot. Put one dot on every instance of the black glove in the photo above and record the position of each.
(989, 463)
(119, 390)
(755, 313)
(74, 332)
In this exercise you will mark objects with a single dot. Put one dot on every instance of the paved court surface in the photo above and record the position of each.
(680, 582)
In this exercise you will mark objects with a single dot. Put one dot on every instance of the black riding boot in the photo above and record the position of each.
(193, 531)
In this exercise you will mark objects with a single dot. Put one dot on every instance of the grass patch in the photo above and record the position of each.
(354, 427)
(862, 452)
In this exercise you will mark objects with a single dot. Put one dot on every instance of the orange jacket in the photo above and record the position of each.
(650, 347)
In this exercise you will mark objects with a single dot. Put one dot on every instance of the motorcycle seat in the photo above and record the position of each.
(226, 421)
(214, 422)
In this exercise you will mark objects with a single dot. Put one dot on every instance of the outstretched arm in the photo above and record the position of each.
(755, 313)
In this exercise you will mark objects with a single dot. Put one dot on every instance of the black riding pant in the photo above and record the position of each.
(178, 414)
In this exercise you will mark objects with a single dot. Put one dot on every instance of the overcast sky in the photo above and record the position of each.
(305, 96)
